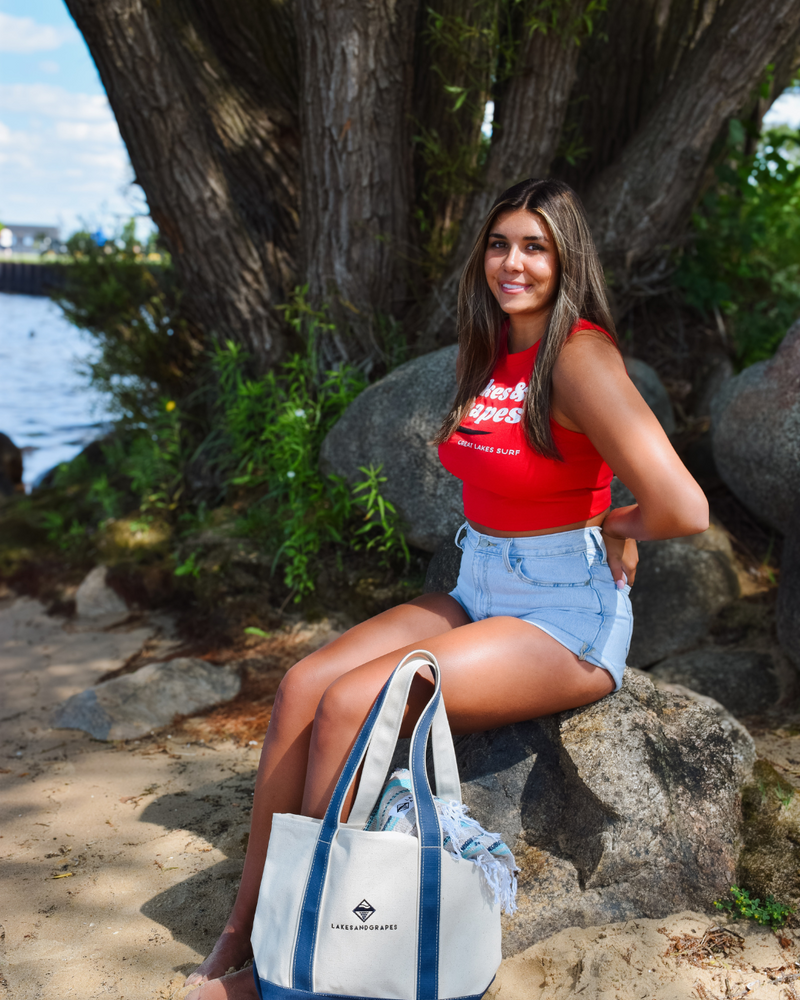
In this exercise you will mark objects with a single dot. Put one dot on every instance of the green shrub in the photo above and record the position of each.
(253, 437)
(770, 912)
(126, 296)
(744, 256)
(275, 427)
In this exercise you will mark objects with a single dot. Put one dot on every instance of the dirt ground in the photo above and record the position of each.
(120, 861)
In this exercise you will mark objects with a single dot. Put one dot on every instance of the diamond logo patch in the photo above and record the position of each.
(364, 910)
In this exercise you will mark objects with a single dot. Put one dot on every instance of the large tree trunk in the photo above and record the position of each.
(356, 59)
(641, 202)
(203, 92)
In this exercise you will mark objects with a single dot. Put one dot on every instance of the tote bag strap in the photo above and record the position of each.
(384, 740)
(430, 841)
(430, 853)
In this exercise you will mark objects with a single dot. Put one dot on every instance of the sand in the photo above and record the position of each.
(120, 861)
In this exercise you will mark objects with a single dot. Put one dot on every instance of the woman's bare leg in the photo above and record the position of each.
(282, 768)
(494, 672)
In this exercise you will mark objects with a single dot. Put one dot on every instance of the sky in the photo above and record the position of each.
(62, 161)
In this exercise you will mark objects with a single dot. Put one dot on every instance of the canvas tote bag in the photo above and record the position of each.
(348, 913)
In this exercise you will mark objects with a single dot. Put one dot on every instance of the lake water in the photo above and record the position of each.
(46, 405)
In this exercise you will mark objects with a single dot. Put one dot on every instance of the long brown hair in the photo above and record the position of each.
(581, 295)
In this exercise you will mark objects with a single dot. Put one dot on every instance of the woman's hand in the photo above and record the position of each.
(623, 558)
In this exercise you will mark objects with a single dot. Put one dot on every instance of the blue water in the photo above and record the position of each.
(46, 405)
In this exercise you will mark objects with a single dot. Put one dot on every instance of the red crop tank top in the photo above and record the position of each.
(507, 485)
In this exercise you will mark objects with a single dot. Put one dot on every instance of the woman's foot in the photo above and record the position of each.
(239, 986)
(231, 951)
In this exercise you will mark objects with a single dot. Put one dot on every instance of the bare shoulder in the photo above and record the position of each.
(588, 353)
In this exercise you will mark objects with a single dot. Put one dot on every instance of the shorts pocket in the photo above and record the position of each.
(557, 570)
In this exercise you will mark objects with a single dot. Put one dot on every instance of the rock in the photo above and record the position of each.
(96, 600)
(626, 808)
(10, 467)
(717, 376)
(681, 583)
(621, 496)
(755, 421)
(729, 724)
(442, 574)
(743, 681)
(391, 424)
(769, 863)
(137, 703)
(788, 609)
(698, 457)
(655, 395)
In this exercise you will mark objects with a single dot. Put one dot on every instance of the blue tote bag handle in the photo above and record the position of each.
(428, 828)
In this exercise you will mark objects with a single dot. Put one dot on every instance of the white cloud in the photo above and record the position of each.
(785, 111)
(55, 102)
(23, 34)
(58, 167)
(49, 66)
(88, 131)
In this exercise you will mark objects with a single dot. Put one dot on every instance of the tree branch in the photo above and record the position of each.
(642, 200)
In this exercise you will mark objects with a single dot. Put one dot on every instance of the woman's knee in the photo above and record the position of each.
(301, 688)
(343, 707)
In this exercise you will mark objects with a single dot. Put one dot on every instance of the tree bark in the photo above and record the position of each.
(622, 75)
(528, 121)
(204, 97)
(453, 65)
(356, 72)
(640, 203)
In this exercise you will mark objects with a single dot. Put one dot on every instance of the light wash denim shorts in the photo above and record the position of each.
(561, 583)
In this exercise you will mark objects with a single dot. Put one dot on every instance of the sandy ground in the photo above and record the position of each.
(120, 861)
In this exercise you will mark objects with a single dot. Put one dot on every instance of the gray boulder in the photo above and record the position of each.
(151, 697)
(755, 421)
(788, 609)
(743, 681)
(392, 424)
(442, 574)
(681, 584)
(626, 808)
(95, 600)
(716, 376)
(646, 380)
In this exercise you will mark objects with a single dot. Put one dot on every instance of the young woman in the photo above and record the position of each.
(540, 620)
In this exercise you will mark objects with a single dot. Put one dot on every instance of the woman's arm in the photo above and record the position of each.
(592, 393)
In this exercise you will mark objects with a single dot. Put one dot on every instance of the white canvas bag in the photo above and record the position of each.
(347, 913)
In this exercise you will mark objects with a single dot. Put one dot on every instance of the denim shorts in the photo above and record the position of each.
(561, 583)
